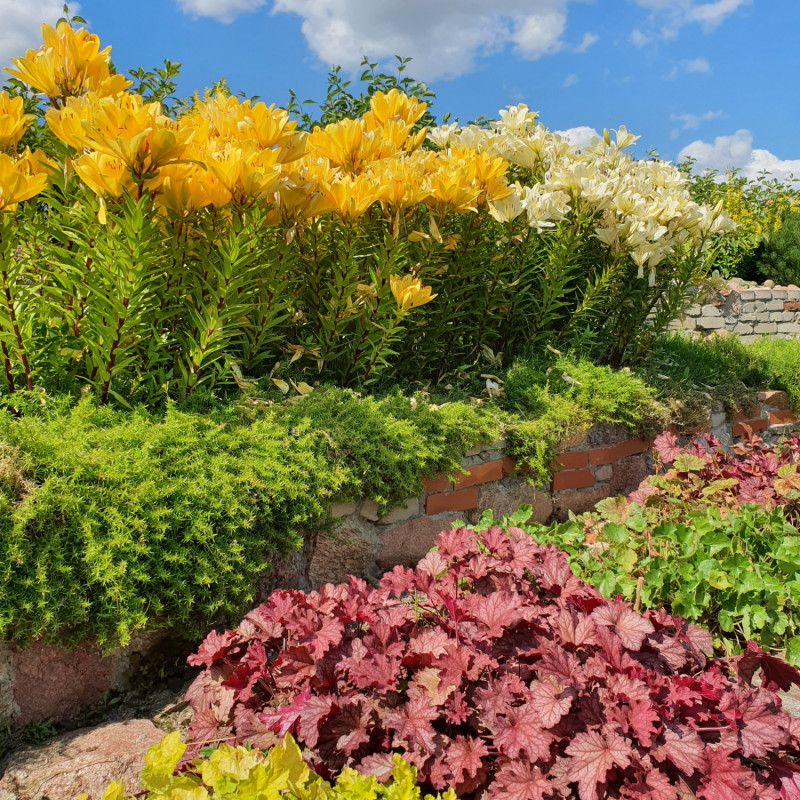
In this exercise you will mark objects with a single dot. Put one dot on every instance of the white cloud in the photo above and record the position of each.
(570, 80)
(21, 24)
(442, 37)
(737, 151)
(691, 121)
(697, 65)
(222, 10)
(677, 13)
(638, 39)
(580, 135)
(588, 40)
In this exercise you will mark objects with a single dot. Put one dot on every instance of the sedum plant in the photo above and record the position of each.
(239, 773)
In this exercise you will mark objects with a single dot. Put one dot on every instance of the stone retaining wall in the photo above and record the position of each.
(748, 312)
(46, 681)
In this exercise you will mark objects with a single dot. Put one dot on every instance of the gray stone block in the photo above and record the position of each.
(766, 327)
(743, 327)
(710, 323)
(774, 305)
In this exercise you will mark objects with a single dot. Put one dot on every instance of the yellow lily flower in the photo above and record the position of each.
(104, 174)
(246, 173)
(346, 144)
(409, 292)
(348, 197)
(185, 189)
(13, 121)
(69, 63)
(393, 105)
(22, 178)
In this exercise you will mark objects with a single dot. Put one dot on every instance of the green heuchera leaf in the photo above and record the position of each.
(236, 773)
(686, 462)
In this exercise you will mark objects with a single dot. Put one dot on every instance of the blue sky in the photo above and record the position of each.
(714, 78)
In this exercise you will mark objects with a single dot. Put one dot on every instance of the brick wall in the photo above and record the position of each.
(748, 312)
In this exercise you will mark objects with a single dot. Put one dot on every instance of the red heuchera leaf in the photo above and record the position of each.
(521, 731)
(493, 669)
(625, 622)
(517, 780)
(215, 647)
(592, 759)
(777, 673)
(728, 779)
(464, 757)
(667, 447)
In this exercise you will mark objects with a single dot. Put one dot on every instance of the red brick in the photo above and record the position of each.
(572, 459)
(791, 305)
(463, 500)
(573, 479)
(608, 455)
(480, 473)
(746, 414)
(509, 465)
(436, 483)
(775, 399)
(782, 417)
(758, 425)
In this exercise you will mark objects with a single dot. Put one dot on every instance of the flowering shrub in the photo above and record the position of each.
(236, 772)
(494, 670)
(220, 243)
(758, 206)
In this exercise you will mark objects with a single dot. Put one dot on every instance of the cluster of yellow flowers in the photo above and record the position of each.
(759, 213)
(226, 151)
(23, 175)
(642, 207)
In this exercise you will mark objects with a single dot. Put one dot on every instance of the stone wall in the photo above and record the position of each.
(46, 681)
(747, 311)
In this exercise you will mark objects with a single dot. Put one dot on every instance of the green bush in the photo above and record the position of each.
(112, 522)
(780, 362)
(779, 258)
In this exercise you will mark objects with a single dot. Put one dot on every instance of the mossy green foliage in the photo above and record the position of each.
(561, 397)
(689, 376)
(113, 521)
(779, 359)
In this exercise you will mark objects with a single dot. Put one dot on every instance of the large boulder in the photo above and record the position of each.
(83, 761)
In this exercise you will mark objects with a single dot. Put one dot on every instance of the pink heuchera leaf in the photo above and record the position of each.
(517, 780)
(593, 757)
(521, 731)
(550, 701)
(412, 723)
(667, 447)
(214, 648)
(632, 628)
(728, 779)
(464, 757)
